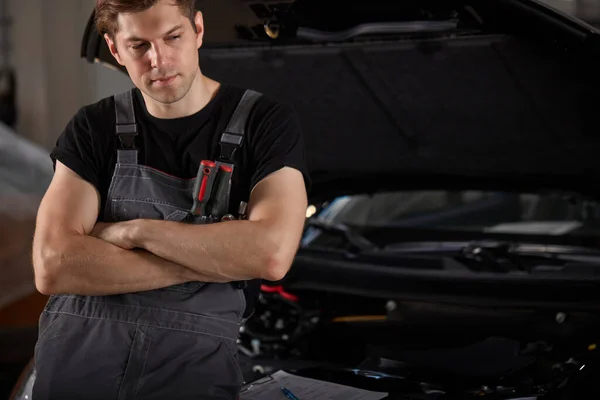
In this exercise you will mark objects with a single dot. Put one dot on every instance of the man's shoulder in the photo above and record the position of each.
(266, 102)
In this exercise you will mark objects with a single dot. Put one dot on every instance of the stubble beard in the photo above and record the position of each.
(170, 95)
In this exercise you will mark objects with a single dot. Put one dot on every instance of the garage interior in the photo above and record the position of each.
(44, 80)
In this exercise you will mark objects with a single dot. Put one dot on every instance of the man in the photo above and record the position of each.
(146, 298)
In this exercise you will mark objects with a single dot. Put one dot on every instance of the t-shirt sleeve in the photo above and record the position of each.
(75, 149)
(279, 143)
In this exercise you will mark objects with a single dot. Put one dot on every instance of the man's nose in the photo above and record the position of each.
(158, 56)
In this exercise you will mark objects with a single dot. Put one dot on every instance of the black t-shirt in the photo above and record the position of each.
(273, 139)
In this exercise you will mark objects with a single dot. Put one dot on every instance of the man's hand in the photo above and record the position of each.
(118, 234)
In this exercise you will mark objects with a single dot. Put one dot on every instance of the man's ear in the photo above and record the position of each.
(199, 23)
(113, 48)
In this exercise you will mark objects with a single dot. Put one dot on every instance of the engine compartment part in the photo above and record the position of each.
(421, 350)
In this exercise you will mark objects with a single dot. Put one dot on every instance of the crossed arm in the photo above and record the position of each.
(73, 254)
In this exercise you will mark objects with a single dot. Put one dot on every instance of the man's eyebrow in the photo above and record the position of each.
(137, 39)
(173, 29)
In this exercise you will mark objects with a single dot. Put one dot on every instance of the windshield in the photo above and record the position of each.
(480, 211)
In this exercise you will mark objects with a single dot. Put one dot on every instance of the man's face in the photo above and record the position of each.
(159, 49)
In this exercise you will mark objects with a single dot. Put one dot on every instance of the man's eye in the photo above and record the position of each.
(174, 37)
(137, 46)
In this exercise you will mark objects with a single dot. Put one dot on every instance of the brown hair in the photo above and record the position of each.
(107, 11)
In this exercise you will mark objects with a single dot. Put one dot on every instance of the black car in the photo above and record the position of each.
(452, 244)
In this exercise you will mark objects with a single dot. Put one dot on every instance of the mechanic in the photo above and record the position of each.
(147, 288)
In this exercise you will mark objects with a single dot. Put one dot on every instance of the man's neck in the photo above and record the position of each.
(202, 91)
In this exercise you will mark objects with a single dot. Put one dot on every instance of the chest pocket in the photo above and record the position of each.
(127, 209)
(140, 192)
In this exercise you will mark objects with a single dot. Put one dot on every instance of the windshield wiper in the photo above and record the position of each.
(498, 256)
(550, 251)
(353, 238)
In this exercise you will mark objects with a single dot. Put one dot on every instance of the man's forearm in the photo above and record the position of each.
(87, 265)
(263, 246)
(225, 251)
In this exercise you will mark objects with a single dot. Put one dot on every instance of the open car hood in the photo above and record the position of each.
(496, 93)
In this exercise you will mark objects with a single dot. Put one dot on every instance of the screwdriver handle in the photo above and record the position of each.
(218, 204)
(203, 187)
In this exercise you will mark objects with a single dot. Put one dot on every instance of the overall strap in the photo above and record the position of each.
(233, 137)
(125, 128)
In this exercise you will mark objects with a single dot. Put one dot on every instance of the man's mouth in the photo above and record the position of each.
(167, 80)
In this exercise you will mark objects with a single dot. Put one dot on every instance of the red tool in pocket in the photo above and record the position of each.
(203, 187)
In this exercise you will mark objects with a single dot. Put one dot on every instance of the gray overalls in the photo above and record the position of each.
(177, 342)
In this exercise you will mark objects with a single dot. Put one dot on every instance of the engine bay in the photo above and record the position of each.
(421, 350)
